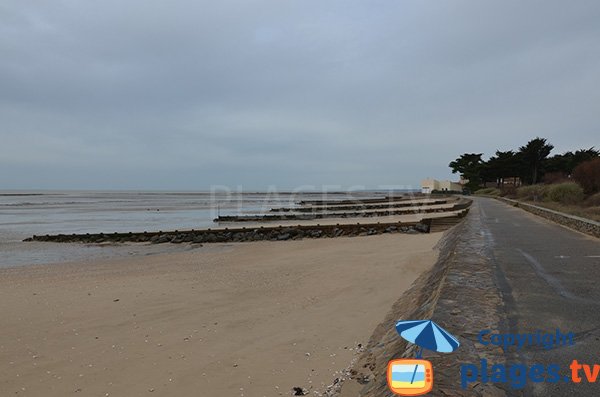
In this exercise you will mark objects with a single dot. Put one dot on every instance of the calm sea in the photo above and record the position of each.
(23, 214)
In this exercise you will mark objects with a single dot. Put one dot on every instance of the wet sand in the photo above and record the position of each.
(246, 319)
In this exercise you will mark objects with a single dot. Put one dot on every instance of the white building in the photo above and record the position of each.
(429, 185)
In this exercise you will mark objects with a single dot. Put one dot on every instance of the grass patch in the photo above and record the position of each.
(532, 192)
(592, 213)
(592, 201)
(567, 197)
(565, 193)
(488, 191)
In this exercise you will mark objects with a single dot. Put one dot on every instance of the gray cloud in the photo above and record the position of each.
(182, 94)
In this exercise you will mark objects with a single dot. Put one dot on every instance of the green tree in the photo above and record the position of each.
(534, 154)
(565, 163)
(469, 166)
(559, 163)
(581, 156)
(502, 165)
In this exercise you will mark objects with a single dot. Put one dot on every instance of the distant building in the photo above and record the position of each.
(510, 181)
(429, 185)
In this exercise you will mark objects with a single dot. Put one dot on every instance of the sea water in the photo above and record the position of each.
(27, 213)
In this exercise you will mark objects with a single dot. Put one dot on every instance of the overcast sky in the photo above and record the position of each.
(143, 94)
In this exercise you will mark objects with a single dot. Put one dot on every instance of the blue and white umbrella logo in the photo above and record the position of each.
(427, 335)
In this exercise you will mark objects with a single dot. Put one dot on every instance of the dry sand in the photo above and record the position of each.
(246, 319)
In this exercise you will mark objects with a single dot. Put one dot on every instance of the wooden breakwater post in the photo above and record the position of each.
(259, 233)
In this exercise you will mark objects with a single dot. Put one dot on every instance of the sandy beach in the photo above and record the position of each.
(246, 319)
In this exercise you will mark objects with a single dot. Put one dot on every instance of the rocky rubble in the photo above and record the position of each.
(244, 234)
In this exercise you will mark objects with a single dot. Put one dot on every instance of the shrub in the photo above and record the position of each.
(593, 200)
(555, 177)
(488, 191)
(588, 175)
(565, 193)
(509, 191)
(532, 192)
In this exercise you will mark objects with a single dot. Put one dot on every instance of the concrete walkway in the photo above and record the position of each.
(549, 277)
(508, 271)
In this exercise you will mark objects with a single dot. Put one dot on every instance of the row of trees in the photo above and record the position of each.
(530, 163)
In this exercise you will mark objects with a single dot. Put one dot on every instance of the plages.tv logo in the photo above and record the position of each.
(414, 377)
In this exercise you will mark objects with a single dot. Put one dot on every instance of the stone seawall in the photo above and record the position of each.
(272, 233)
(461, 294)
(583, 225)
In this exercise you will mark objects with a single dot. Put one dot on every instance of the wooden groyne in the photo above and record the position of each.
(303, 216)
(351, 207)
(356, 200)
(272, 233)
